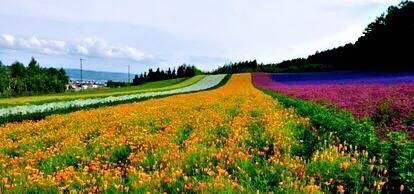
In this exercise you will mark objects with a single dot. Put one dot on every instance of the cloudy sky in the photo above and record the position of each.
(110, 35)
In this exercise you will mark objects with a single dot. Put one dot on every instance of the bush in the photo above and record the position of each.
(401, 162)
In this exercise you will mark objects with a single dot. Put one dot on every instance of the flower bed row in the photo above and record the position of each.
(39, 111)
(387, 102)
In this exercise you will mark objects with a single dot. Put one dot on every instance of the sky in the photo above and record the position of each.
(110, 35)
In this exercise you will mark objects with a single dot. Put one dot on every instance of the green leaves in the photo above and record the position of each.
(327, 121)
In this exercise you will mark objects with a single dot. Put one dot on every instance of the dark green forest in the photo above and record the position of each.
(386, 45)
(159, 74)
(19, 80)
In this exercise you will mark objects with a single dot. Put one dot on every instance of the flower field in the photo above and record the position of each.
(234, 139)
(385, 99)
(204, 83)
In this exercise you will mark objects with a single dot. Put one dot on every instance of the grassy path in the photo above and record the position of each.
(97, 93)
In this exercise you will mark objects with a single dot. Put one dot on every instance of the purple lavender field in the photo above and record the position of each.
(385, 98)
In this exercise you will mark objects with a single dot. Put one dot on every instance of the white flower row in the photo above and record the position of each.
(205, 83)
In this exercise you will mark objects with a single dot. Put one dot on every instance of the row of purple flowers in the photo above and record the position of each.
(388, 102)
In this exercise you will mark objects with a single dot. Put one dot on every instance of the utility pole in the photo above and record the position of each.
(129, 78)
(81, 72)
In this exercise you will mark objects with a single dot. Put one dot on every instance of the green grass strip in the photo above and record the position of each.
(40, 116)
(103, 92)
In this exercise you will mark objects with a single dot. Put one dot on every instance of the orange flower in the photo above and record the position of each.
(340, 189)
(167, 180)
(353, 160)
(201, 186)
(344, 165)
(5, 180)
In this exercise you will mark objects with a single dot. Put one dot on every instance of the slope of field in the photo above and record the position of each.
(229, 140)
(97, 93)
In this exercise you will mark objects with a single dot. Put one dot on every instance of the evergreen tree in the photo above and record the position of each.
(169, 74)
(160, 74)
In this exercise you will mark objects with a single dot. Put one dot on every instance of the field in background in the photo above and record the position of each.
(104, 92)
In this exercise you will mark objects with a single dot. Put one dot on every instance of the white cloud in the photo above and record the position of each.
(349, 35)
(7, 40)
(358, 2)
(92, 47)
(229, 30)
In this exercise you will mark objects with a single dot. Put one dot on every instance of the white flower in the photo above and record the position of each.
(206, 83)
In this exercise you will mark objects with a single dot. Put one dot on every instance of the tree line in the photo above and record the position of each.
(18, 80)
(238, 67)
(384, 46)
(244, 66)
(159, 74)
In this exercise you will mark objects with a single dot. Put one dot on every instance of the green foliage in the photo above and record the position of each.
(221, 133)
(264, 177)
(308, 141)
(256, 113)
(18, 80)
(384, 114)
(114, 84)
(120, 153)
(217, 136)
(183, 134)
(328, 121)
(152, 161)
(234, 111)
(401, 161)
(195, 162)
(60, 161)
(259, 140)
(175, 187)
(240, 67)
(182, 71)
(331, 173)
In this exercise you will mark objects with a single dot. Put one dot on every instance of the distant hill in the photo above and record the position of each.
(74, 74)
